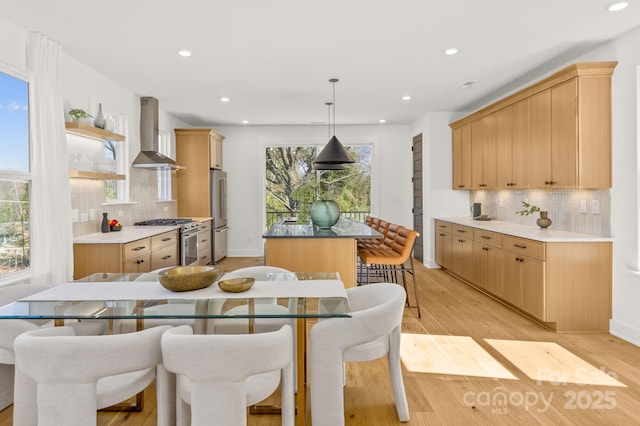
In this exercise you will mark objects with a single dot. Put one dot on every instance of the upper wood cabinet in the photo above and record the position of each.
(483, 151)
(513, 146)
(462, 157)
(199, 151)
(553, 134)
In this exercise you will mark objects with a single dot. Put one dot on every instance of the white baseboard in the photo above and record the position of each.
(625, 331)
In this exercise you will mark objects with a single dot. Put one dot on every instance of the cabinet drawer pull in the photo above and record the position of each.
(167, 239)
(443, 235)
(485, 237)
(462, 231)
(519, 259)
(166, 257)
(204, 241)
(461, 241)
(522, 246)
(140, 262)
(139, 248)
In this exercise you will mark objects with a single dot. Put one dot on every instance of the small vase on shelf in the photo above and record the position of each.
(543, 221)
(100, 122)
(105, 223)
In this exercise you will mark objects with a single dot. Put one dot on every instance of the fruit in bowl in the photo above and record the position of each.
(186, 278)
(115, 225)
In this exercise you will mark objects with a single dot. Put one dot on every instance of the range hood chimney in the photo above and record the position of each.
(149, 157)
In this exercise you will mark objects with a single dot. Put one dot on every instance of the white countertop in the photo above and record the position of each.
(126, 235)
(548, 235)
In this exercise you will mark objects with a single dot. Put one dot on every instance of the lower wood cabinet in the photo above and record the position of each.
(462, 251)
(565, 285)
(144, 255)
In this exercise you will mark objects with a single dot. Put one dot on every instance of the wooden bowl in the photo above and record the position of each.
(187, 278)
(236, 285)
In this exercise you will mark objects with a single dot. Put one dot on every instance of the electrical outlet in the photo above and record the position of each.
(120, 213)
(583, 207)
(165, 208)
(500, 202)
(75, 215)
(595, 206)
(92, 214)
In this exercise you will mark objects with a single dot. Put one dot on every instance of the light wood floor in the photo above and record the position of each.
(468, 361)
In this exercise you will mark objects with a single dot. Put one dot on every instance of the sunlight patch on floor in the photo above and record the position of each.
(458, 355)
(550, 362)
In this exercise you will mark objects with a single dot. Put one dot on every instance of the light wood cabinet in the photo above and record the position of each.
(443, 244)
(199, 150)
(204, 243)
(462, 251)
(512, 146)
(487, 260)
(524, 278)
(483, 153)
(561, 126)
(141, 255)
(462, 157)
(564, 285)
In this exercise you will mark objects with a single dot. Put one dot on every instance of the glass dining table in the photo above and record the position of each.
(137, 298)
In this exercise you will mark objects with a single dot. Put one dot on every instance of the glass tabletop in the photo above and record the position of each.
(303, 295)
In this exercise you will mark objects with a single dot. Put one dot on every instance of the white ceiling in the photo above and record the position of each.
(274, 58)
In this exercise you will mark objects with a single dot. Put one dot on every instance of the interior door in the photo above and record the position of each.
(418, 248)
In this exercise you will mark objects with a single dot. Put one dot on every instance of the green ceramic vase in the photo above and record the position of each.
(324, 213)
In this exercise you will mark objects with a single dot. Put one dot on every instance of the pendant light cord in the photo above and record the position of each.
(334, 81)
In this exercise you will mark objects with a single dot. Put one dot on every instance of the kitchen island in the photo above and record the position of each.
(307, 248)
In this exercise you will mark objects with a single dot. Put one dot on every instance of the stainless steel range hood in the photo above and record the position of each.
(149, 156)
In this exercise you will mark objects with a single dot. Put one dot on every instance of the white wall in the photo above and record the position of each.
(439, 200)
(243, 154)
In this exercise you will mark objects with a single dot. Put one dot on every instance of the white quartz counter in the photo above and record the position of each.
(536, 233)
(126, 235)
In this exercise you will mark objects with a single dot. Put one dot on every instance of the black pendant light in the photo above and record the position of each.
(327, 166)
(334, 153)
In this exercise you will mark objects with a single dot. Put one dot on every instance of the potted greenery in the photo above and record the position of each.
(543, 221)
(78, 113)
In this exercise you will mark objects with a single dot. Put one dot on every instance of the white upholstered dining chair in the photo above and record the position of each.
(10, 329)
(63, 379)
(372, 332)
(219, 375)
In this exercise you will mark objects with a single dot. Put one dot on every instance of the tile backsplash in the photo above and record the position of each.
(88, 202)
(575, 210)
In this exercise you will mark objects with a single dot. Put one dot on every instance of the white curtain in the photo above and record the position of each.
(51, 233)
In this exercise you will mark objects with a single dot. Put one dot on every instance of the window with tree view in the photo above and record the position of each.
(292, 184)
(15, 178)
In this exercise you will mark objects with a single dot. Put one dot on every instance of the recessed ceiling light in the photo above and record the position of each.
(184, 53)
(617, 6)
(224, 99)
(466, 85)
(382, 120)
(245, 121)
(406, 98)
(451, 51)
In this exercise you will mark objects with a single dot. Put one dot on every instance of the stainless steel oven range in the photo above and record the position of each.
(188, 237)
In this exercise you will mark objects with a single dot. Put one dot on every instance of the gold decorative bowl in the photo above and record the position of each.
(186, 278)
(236, 285)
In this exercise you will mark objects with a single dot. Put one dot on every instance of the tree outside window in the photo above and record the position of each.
(292, 184)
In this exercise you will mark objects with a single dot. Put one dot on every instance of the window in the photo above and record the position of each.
(164, 175)
(15, 176)
(117, 154)
(292, 184)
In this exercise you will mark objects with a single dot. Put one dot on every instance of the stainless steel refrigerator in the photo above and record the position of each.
(218, 184)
